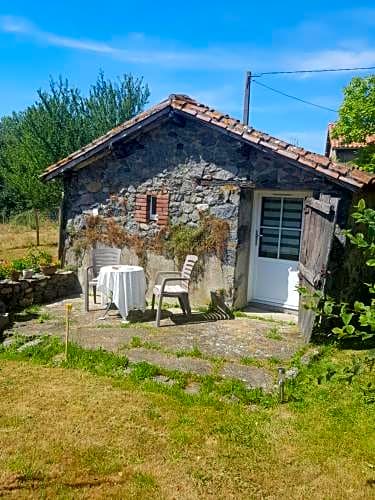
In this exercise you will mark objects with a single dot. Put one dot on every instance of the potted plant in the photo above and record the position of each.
(47, 267)
(27, 274)
(16, 268)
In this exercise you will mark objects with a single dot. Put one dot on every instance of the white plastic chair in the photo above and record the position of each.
(103, 256)
(174, 284)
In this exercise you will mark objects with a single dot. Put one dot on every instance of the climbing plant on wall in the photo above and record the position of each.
(208, 237)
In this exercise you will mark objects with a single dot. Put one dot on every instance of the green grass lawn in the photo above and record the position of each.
(86, 429)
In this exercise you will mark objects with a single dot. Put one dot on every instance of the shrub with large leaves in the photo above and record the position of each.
(356, 319)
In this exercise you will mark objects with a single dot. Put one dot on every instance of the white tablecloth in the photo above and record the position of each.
(125, 286)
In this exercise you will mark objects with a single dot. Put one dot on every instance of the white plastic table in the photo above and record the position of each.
(124, 286)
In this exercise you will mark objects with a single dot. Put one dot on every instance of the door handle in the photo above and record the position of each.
(256, 237)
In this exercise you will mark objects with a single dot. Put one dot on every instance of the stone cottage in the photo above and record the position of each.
(180, 160)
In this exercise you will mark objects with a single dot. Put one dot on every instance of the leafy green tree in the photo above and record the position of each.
(357, 118)
(61, 121)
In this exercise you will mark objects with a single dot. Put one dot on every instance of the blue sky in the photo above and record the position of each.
(198, 48)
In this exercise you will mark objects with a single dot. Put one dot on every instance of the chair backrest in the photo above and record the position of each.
(188, 266)
(105, 256)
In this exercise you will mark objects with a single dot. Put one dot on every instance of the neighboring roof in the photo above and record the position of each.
(182, 104)
(339, 143)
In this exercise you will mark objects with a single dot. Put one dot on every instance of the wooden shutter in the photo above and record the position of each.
(162, 207)
(317, 236)
(141, 214)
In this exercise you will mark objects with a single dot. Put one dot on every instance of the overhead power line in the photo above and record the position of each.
(311, 71)
(294, 97)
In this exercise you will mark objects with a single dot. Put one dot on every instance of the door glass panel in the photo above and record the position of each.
(289, 244)
(269, 243)
(292, 213)
(271, 208)
(280, 228)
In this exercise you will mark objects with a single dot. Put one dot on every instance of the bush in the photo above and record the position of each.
(36, 258)
(5, 269)
(19, 264)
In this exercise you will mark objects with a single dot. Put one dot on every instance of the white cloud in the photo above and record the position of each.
(210, 58)
(334, 58)
(140, 49)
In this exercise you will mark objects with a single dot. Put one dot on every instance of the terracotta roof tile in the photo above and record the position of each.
(190, 110)
(187, 105)
(216, 115)
(295, 149)
(288, 154)
(204, 116)
(321, 160)
(308, 163)
(250, 137)
(269, 144)
(339, 167)
(350, 180)
(359, 175)
(328, 171)
(239, 129)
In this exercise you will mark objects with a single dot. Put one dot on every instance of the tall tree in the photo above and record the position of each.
(357, 118)
(61, 121)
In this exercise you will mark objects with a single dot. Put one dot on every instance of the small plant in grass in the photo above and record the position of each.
(143, 370)
(44, 316)
(274, 334)
(145, 481)
(274, 360)
(195, 352)
(238, 389)
(136, 342)
(250, 361)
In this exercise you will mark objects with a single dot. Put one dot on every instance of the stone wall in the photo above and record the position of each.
(203, 171)
(38, 290)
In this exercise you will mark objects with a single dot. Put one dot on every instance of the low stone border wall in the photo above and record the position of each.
(38, 290)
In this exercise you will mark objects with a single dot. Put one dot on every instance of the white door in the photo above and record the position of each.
(276, 243)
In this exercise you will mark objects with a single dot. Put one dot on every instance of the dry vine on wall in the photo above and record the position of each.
(209, 237)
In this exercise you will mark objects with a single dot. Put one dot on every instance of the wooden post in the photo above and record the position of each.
(60, 252)
(281, 384)
(246, 99)
(36, 215)
(68, 309)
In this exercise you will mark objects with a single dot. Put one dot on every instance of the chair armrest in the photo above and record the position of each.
(166, 273)
(166, 280)
(88, 268)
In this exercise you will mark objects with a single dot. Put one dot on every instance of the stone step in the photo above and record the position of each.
(251, 376)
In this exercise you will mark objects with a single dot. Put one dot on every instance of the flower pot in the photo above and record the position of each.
(14, 275)
(27, 274)
(48, 270)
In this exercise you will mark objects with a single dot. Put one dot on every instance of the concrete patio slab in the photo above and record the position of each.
(248, 348)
